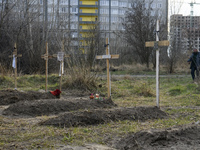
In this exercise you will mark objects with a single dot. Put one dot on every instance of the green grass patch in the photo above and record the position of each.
(178, 97)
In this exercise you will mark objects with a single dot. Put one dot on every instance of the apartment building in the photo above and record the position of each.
(185, 31)
(74, 17)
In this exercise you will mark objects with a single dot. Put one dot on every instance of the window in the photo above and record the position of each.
(114, 19)
(153, 5)
(74, 10)
(114, 11)
(122, 4)
(64, 1)
(121, 12)
(74, 35)
(107, 19)
(146, 5)
(74, 26)
(74, 2)
(63, 9)
(159, 5)
(104, 11)
(129, 5)
(104, 3)
(114, 3)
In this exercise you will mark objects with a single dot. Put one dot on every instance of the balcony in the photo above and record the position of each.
(87, 22)
(89, 6)
(88, 14)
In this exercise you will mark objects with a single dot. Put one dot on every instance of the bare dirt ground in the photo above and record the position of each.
(78, 110)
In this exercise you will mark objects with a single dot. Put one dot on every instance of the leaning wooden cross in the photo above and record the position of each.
(46, 57)
(60, 57)
(108, 57)
(156, 44)
(14, 63)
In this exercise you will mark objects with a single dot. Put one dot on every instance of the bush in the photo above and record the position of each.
(143, 89)
(81, 77)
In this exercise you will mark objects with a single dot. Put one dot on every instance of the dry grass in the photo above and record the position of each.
(178, 97)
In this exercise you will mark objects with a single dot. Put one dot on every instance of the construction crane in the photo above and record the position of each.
(192, 6)
(192, 11)
(191, 20)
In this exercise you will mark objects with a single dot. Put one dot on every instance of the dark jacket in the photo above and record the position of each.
(195, 60)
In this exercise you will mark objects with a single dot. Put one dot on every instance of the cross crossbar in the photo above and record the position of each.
(65, 55)
(61, 62)
(160, 43)
(15, 56)
(107, 57)
(156, 44)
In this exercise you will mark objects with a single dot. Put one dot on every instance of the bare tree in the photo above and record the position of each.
(139, 27)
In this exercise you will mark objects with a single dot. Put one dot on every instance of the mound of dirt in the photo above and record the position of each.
(54, 106)
(12, 96)
(173, 138)
(94, 117)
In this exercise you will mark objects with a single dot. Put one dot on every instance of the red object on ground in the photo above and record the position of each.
(91, 96)
(56, 92)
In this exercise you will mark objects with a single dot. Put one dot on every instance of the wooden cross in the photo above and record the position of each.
(156, 44)
(108, 57)
(46, 57)
(61, 55)
(14, 64)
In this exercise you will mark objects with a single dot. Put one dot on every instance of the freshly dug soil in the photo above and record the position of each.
(94, 117)
(179, 138)
(12, 96)
(54, 106)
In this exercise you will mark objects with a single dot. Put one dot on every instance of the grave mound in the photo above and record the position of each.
(99, 116)
(182, 137)
(8, 97)
(54, 106)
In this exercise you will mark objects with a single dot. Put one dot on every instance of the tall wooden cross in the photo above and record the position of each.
(14, 63)
(108, 57)
(156, 44)
(46, 57)
(60, 56)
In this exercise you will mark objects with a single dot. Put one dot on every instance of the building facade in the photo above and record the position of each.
(185, 31)
(75, 17)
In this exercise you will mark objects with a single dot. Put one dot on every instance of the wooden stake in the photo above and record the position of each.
(157, 67)
(15, 56)
(61, 68)
(46, 57)
(156, 46)
(46, 64)
(108, 69)
(61, 64)
(107, 57)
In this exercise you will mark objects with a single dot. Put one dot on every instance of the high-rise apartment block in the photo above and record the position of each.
(185, 31)
(77, 16)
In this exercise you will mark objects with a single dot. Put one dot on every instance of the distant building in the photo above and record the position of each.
(75, 17)
(185, 31)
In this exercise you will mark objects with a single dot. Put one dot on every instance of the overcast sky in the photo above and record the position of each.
(185, 7)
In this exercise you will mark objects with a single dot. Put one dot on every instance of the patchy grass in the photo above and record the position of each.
(178, 97)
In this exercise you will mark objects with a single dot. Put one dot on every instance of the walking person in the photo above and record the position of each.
(194, 61)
